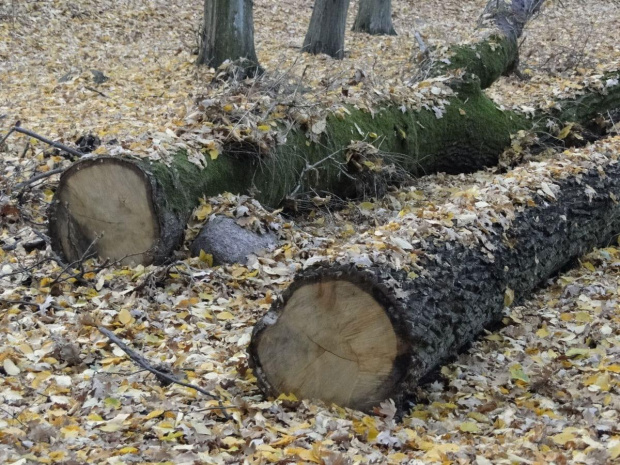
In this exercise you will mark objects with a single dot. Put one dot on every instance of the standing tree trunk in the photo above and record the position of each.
(228, 34)
(374, 17)
(327, 27)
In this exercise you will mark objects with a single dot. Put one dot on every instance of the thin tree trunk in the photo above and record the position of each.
(327, 28)
(228, 34)
(356, 337)
(374, 17)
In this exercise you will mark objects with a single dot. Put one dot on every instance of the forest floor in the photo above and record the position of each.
(545, 388)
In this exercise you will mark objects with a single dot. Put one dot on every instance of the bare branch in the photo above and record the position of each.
(162, 377)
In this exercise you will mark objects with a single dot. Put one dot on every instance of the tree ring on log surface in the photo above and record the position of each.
(105, 206)
(331, 339)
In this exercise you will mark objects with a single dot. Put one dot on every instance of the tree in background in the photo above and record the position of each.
(374, 17)
(327, 27)
(228, 34)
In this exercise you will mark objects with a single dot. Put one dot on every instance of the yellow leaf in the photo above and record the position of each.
(373, 135)
(563, 438)
(124, 316)
(509, 297)
(516, 372)
(112, 402)
(206, 257)
(228, 107)
(213, 153)
(71, 431)
(230, 441)
(94, 417)
(462, 112)
(436, 451)
(600, 380)
(543, 332)
(264, 127)
(204, 211)
(469, 427)
(589, 266)
(154, 414)
(614, 449)
(479, 417)
(290, 397)
(57, 455)
(565, 131)
(110, 427)
(225, 316)
(10, 367)
(283, 441)
(398, 457)
(127, 450)
(367, 205)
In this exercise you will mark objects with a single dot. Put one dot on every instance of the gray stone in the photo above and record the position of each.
(228, 242)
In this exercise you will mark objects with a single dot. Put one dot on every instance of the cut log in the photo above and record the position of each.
(138, 216)
(136, 210)
(356, 337)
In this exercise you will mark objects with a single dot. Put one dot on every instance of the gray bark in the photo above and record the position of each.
(228, 34)
(511, 16)
(462, 290)
(374, 17)
(327, 28)
(228, 242)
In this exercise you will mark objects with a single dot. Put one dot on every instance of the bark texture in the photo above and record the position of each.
(228, 34)
(327, 28)
(462, 290)
(374, 17)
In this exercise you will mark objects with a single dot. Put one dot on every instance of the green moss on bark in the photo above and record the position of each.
(488, 59)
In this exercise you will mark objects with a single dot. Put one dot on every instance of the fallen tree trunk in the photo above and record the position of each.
(356, 337)
(136, 210)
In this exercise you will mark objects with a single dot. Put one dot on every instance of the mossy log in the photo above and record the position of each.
(356, 337)
(136, 210)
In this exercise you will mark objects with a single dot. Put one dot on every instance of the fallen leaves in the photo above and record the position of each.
(542, 390)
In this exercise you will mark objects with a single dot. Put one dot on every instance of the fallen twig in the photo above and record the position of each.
(421, 43)
(57, 145)
(38, 177)
(96, 91)
(161, 376)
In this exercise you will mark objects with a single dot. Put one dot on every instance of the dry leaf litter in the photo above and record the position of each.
(542, 389)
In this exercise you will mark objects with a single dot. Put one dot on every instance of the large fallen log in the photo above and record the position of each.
(136, 209)
(357, 336)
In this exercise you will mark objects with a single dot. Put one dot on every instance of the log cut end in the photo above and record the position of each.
(329, 340)
(105, 206)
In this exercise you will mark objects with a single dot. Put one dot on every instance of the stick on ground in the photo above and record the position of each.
(162, 377)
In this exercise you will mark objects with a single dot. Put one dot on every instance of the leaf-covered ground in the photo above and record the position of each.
(544, 389)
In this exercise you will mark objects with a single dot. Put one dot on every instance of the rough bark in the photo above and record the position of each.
(434, 315)
(327, 28)
(228, 34)
(374, 17)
